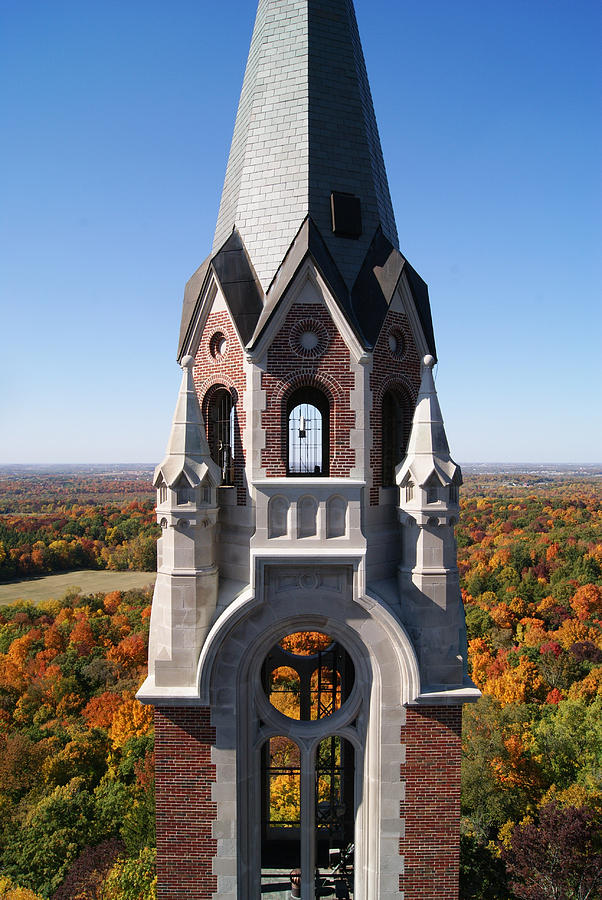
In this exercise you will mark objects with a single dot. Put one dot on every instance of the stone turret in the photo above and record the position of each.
(429, 481)
(187, 575)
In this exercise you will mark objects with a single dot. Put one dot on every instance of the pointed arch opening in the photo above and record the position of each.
(395, 423)
(308, 765)
(281, 803)
(220, 431)
(334, 777)
(308, 432)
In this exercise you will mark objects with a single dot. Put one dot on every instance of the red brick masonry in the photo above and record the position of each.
(185, 812)
(431, 847)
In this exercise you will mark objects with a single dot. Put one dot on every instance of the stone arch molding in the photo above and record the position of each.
(292, 597)
(249, 625)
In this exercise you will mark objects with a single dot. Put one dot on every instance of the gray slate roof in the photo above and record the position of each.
(365, 305)
(305, 127)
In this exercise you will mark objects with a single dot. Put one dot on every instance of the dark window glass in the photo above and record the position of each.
(393, 438)
(221, 433)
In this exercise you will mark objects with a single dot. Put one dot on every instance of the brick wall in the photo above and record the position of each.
(212, 370)
(185, 812)
(431, 846)
(288, 369)
(399, 371)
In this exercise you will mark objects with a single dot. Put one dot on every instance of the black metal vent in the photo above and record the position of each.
(346, 210)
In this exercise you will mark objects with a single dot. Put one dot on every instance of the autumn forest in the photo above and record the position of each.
(76, 748)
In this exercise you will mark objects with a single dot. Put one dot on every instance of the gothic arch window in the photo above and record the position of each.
(220, 431)
(308, 432)
(395, 433)
(334, 802)
(281, 808)
(308, 769)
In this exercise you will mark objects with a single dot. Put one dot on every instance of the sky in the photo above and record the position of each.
(116, 122)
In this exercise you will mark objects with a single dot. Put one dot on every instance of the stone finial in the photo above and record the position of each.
(187, 449)
(428, 451)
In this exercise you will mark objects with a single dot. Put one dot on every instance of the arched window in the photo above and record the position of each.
(395, 422)
(307, 786)
(220, 432)
(308, 422)
(334, 805)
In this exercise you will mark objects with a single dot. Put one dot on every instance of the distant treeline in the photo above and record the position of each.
(93, 537)
(55, 522)
(47, 492)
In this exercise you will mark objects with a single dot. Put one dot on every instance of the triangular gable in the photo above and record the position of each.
(235, 276)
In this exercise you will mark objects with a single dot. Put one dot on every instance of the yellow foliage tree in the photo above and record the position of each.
(572, 632)
(11, 891)
(531, 632)
(520, 684)
(131, 719)
(481, 658)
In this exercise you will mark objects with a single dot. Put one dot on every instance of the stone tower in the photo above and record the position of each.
(307, 648)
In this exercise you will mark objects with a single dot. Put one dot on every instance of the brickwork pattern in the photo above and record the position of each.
(391, 372)
(330, 372)
(431, 808)
(185, 812)
(211, 372)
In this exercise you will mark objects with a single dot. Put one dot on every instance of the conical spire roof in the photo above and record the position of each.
(187, 451)
(428, 450)
(305, 128)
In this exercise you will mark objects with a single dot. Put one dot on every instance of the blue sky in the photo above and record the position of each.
(116, 121)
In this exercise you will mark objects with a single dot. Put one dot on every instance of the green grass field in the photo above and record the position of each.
(85, 580)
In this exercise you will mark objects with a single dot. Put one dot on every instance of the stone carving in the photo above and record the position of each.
(278, 517)
(307, 515)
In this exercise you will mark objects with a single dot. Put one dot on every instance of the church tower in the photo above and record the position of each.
(307, 657)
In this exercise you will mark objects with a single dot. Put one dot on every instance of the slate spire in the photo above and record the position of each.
(305, 128)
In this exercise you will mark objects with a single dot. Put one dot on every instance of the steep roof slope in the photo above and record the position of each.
(305, 128)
